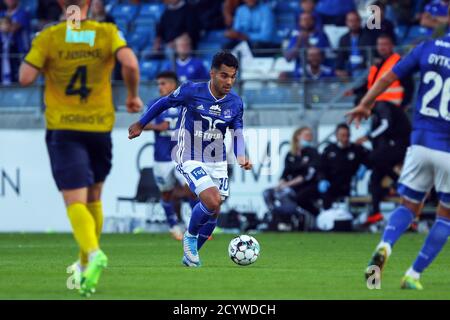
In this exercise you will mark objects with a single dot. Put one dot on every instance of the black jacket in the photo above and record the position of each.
(304, 165)
(339, 165)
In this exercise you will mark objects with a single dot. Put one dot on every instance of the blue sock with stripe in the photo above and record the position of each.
(206, 231)
(433, 244)
(398, 223)
(200, 215)
(193, 202)
(171, 216)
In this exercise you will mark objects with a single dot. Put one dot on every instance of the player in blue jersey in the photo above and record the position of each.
(166, 177)
(427, 161)
(207, 110)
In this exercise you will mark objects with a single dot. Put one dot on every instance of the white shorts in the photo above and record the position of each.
(423, 169)
(166, 175)
(201, 176)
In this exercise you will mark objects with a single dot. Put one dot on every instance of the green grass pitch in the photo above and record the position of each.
(148, 266)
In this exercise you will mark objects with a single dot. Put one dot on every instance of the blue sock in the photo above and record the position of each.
(399, 221)
(433, 244)
(193, 202)
(206, 231)
(200, 215)
(170, 213)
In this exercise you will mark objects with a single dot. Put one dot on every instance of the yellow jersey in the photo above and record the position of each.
(77, 65)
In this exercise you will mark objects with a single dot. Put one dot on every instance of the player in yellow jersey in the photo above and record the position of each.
(77, 63)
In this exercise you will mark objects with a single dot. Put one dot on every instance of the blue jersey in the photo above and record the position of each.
(203, 122)
(190, 69)
(164, 140)
(431, 121)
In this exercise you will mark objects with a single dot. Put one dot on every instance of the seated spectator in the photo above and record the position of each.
(340, 162)
(210, 14)
(20, 25)
(386, 27)
(178, 18)
(307, 35)
(298, 179)
(334, 12)
(229, 10)
(352, 54)
(254, 22)
(98, 12)
(434, 15)
(48, 11)
(10, 61)
(314, 68)
(186, 66)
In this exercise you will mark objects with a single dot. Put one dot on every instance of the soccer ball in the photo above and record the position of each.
(244, 250)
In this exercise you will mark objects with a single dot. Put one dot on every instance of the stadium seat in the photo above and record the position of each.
(416, 34)
(122, 24)
(286, 20)
(334, 34)
(214, 37)
(153, 11)
(149, 69)
(287, 7)
(147, 191)
(124, 11)
(30, 7)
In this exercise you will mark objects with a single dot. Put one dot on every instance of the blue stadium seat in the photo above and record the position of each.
(138, 40)
(30, 6)
(416, 34)
(283, 7)
(215, 36)
(122, 24)
(125, 11)
(153, 10)
(149, 69)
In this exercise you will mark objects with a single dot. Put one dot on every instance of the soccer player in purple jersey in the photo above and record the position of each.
(207, 110)
(427, 161)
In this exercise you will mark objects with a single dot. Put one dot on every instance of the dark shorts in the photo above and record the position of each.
(79, 159)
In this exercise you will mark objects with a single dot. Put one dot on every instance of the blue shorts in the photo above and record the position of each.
(79, 159)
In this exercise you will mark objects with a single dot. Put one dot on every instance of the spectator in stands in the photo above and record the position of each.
(178, 18)
(351, 55)
(298, 179)
(10, 61)
(307, 35)
(20, 25)
(435, 15)
(254, 22)
(98, 12)
(309, 6)
(386, 26)
(390, 128)
(186, 66)
(48, 11)
(210, 14)
(314, 68)
(340, 162)
(334, 12)
(229, 10)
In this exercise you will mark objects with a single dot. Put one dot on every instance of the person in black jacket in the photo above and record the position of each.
(352, 50)
(340, 162)
(299, 175)
(178, 18)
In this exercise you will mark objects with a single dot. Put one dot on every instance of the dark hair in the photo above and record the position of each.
(355, 13)
(168, 75)
(226, 58)
(386, 36)
(342, 126)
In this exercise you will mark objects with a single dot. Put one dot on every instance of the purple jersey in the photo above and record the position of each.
(431, 122)
(203, 121)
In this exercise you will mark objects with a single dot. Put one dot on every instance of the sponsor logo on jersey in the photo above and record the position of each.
(83, 36)
(200, 107)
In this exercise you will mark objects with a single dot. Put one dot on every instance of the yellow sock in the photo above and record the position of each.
(83, 226)
(96, 209)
